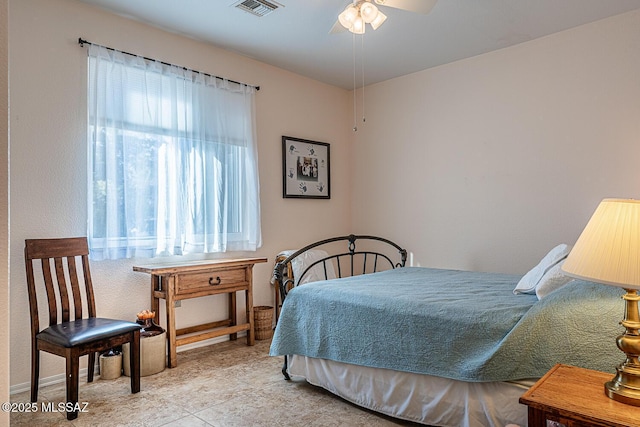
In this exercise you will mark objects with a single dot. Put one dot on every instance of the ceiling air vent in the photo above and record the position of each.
(257, 7)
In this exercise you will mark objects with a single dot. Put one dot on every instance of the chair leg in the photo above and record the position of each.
(35, 372)
(73, 370)
(134, 361)
(90, 366)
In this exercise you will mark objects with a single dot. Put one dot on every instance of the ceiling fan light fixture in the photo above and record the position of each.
(369, 12)
(348, 16)
(358, 13)
(380, 18)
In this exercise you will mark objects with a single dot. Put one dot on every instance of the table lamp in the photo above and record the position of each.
(608, 252)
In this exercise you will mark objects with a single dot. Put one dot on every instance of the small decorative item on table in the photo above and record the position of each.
(153, 346)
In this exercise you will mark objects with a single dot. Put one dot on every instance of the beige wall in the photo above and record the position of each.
(4, 206)
(487, 163)
(48, 153)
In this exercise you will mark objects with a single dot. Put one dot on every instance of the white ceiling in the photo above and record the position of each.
(296, 37)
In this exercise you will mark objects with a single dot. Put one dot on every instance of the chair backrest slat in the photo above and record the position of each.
(62, 288)
(91, 302)
(51, 292)
(75, 287)
(65, 283)
(33, 300)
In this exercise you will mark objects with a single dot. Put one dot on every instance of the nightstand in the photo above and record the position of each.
(570, 396)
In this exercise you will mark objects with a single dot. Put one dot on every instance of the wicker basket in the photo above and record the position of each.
(263, 322)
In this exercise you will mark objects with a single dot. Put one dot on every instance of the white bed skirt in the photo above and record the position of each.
(415, 397)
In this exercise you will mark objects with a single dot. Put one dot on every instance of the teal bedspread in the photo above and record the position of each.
(456, 324)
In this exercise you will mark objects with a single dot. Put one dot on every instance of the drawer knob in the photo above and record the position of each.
(215, 282)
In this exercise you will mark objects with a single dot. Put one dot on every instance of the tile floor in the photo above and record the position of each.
(225, 384)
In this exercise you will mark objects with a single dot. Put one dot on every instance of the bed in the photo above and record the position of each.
(434, 346)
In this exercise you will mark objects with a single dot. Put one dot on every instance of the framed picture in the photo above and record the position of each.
(305, 169)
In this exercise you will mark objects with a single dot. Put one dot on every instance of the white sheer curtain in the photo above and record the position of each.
(173, 163)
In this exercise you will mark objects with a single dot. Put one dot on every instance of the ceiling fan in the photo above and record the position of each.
(361, 12)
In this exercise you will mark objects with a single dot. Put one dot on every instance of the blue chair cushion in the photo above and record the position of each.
(84, 331)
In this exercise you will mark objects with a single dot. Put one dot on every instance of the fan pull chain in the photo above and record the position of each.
(364, 119)
(355, 114)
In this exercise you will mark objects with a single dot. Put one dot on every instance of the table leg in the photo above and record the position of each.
(249, 308)
(171, 322)
(155, 301)
(233, 315)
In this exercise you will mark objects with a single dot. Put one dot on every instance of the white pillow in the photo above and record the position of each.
(552, 280)
(527, 285)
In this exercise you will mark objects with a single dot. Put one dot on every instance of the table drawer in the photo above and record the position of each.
(210, 280)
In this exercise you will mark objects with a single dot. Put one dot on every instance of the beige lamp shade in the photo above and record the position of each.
(608, 250)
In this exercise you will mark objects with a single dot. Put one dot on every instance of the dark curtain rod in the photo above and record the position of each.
(82, 42)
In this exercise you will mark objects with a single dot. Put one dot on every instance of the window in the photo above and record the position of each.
(172, 160)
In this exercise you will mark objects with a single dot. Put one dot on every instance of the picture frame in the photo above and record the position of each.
(306, 169)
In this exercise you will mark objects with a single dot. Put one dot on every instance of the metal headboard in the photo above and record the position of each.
(282, 273)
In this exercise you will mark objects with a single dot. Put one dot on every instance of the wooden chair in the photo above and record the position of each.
(70, 334)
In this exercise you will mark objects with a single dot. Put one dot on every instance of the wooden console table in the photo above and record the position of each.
(178, 281)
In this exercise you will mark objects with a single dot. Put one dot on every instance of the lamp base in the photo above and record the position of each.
(625, 386)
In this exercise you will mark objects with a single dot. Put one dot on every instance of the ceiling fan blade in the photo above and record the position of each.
(418, 6)
(337, 28)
